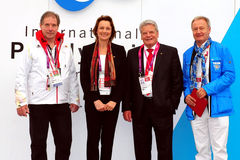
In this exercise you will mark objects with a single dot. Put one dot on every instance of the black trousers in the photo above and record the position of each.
(100, 126)
(59, 117)
(162, 125)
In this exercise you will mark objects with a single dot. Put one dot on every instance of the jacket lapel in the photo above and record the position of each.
(136, 62)
(158, 60)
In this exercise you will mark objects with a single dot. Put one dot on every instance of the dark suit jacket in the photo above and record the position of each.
(119, 55)
(167, 82)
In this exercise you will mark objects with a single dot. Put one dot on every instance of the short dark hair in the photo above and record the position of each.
(104, 18)
(50, 14)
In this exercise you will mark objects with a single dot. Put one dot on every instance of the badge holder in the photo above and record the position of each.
(145, 83)
(55, 78)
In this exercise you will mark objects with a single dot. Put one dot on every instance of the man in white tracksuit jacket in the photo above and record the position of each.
(47, 89)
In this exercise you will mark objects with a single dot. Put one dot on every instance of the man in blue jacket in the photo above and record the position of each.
(208, 67)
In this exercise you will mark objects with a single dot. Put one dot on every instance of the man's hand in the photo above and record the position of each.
(201, 93)
(190, 100)
(74, 107)
(23, 110)
(110, 105)
(127, 115)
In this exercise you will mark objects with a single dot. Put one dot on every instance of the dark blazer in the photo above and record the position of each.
(119, 55)
(167, 82)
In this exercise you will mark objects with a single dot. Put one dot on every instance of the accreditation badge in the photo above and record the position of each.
(150, 74)
(146, 85)
(102, 89)
(55, 78)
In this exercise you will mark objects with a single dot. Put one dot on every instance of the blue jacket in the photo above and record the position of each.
(221, 76)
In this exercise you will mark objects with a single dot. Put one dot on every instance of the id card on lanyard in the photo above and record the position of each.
(146, 84)
(54, 74)
(55, 78)
(146, 80)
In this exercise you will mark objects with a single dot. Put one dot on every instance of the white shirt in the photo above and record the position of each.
(102, 89)
(199, 67)
(206, 53)
(146, 53)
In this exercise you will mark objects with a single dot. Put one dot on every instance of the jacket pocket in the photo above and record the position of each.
(224, 104)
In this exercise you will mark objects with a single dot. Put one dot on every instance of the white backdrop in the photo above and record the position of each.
(19, 18)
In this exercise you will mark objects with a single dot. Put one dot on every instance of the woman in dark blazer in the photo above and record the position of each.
(102, 80)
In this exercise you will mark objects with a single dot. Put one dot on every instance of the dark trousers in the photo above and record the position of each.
(142, 132)
(100, 126)
(59, 117)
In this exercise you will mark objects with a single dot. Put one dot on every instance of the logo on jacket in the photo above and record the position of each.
(217, 65)
(74, 5)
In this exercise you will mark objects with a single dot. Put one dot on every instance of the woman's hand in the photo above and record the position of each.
(99, 105)
(110, 105)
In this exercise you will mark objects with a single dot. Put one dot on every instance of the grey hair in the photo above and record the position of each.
(147, 22)
(202, 17)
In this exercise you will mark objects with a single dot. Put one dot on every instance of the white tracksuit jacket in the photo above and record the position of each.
(31, 79)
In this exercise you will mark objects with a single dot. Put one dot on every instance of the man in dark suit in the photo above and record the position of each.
(154, 87)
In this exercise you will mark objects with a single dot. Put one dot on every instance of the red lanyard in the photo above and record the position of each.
(151, 63)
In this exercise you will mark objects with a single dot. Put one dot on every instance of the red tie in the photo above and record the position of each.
(149, 59)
